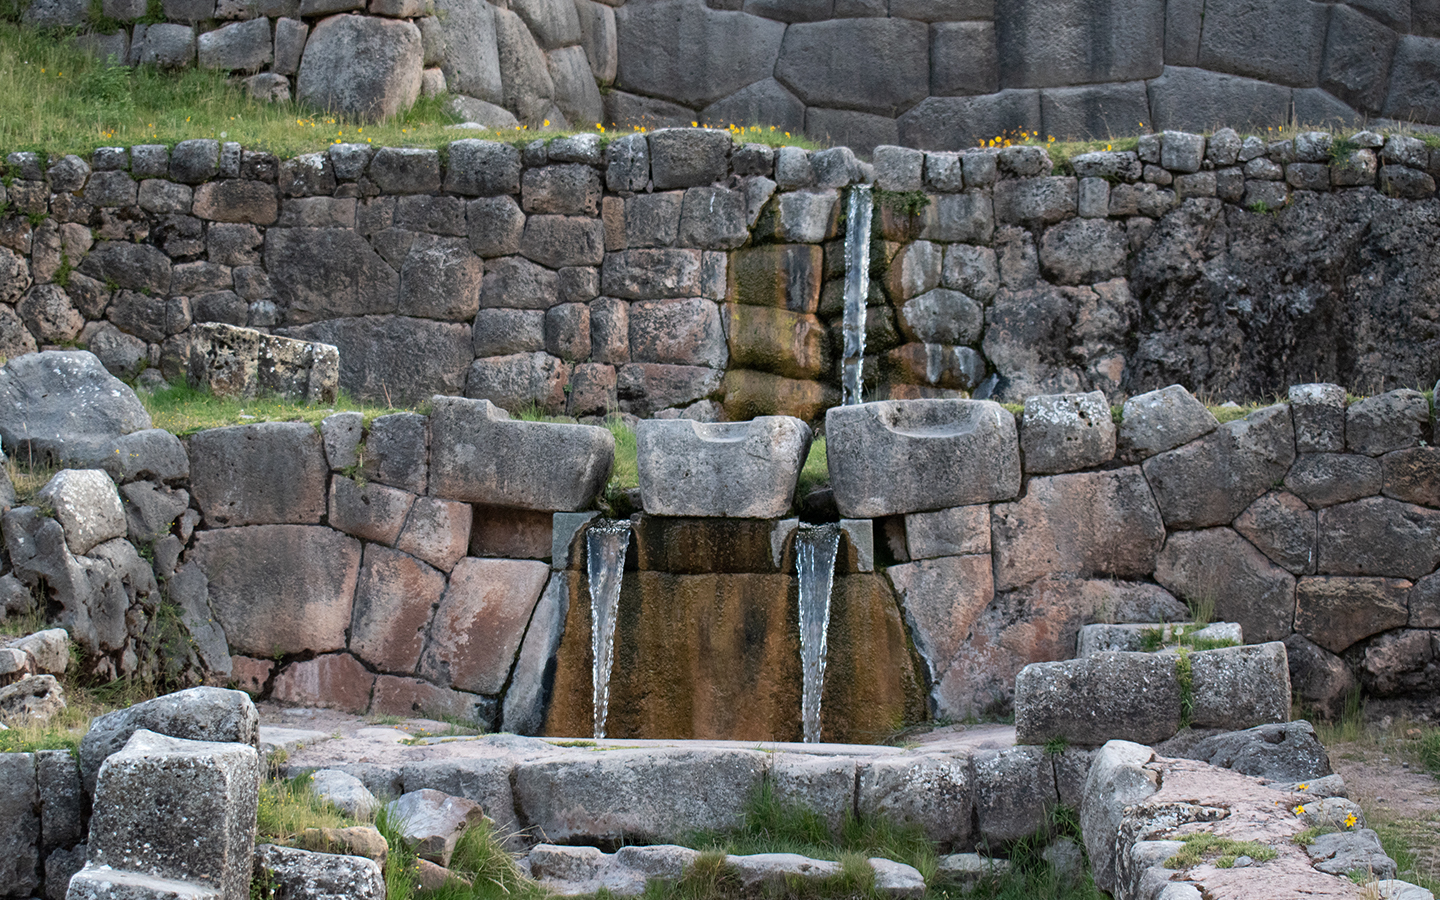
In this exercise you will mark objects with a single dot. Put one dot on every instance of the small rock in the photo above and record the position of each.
(33, 700)
(345, 792)
(431, 822)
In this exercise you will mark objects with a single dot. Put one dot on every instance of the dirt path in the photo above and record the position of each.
(1400, 799)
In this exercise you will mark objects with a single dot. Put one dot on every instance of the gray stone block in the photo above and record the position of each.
(765, 102)
(1240, 687)
(504, 475)
(1083, 251)
(743, 469)
(1395, 420)
(402, 170)
(942, 316)
(943, 812)
(627, 163)
(483, 168)
(54, 13)
(558, 241)
(967, 217)
(1212, 480)
(321, 875)
(364, 66)
(626, 110)
(1044, 43)
(576, 94)
(817, 61)
(210, 790)
(243, 46)
(554, 23)
(1358, 53)
(1218, 564)
(1414, 93)
(20, 803)
(59, 404)
(1280, 752)
(598, 36)
(260, 474)
(688, 157)
(872, 446)
(290, 35)
(972, 270)
(1035, 201)
(1162, 420)
(1197, 100)
(712, 218)
(1089, 701)
(1318, 108)
(725, 51)
(963, 59)
(1094, 111)
(1182, 151)
(1066, 432)
(1240, 38)
(898, 168)
(469, 54)
(790, 10)
(859, 131)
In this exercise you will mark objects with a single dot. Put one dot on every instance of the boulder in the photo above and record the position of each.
(731, 50)
(196, 714)
(210, 792)
(345, 792)
(893, 457)
(816, 63)
(59, 404)
(1083, 523)
(31, 700)
(1089, 701)
(431, 822)
(743, 469)
(1321, 680)
(1392, 421)
(87, 506)
(323, 876)
(480, 455)
(1212, 480)
(1286, 751)
(363, 66)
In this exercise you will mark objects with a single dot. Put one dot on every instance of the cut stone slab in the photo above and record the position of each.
(1162, 420)
(1132, 637)
(263, 474)
(481, 455)
(1240, 687)
(480, 622)
(741, 469)
(1280, 752)
(902, 456)
(208, 791)
(933, 791)
(105, 883)
(1118, 778)
(320, 876)
(648, 796)
(242, 362)
(345, 791)
(1089, 701)
(1065, 432)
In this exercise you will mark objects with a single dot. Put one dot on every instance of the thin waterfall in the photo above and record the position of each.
(815, 550)
(605, 544)
(857, 288)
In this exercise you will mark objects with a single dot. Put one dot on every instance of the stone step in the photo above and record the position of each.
(104, 883)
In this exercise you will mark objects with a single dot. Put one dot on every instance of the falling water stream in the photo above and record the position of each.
(605, 544)
(815, 549)
(857, 288)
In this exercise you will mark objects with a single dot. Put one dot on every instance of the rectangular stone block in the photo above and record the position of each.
(737, 469)
(948, 532)
(178, 809)
(1108, 696)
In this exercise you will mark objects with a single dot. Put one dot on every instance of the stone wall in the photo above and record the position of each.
(433, 563)
(662, 270)
(858, 72)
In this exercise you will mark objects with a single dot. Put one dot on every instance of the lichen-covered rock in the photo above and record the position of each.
(1108, 696)
(87, 506)
(321, 876)
(60, 403)
(363, 66)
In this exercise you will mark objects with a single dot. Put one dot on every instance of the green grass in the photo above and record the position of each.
(1225, 851)
(181, 409)
(288, 807)
(816, 470)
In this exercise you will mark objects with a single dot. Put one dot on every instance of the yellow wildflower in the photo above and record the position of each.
(1300, 810)
(1302, 787)
(1350, 821)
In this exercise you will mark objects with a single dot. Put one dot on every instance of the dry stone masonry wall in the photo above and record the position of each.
(676, 270)
(434, 563)
(860, 72)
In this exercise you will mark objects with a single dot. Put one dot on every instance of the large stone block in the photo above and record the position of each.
(1239, 38)
(322, 876)
(743, 469)
(1118, 778)
(821, 63)
(1284, 752)
(470, 58)
(87, 506)
(1212, 480)
(1094, 112)
(651, 274)
(1378, 536)
(1218, 566)
(684, 332)
(942, 443)
(788, 276)
(1108, 696)
(1283, 528)
(1396, 420)
(1085, 524)
(944, 123)
(480, 621)
(1065, 432)
(1050, 44)
(480, 455)
(1084, 251)
(1337, 612)
(684, 51)
(1413, 475)
(245, 363)
(942, 599)
(1325, 479)
(1014, 792)
(777, 340)
(1413, 93)
(1195, 99)
(243, 46)
(764, 101)
(325, 273)
(364, 66)
(559, 241)
(646, 796)
(209, 792)
(395, 359)
(1240, 687)
(280, 589)
(440, 279)
(963, 59)
(331, 681)
(20, 804)
(932, 791)
(1358, 53)
(393, 599)
(265, 474)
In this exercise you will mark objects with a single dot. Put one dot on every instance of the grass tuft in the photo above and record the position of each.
(182, 409)
(1199, 847)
